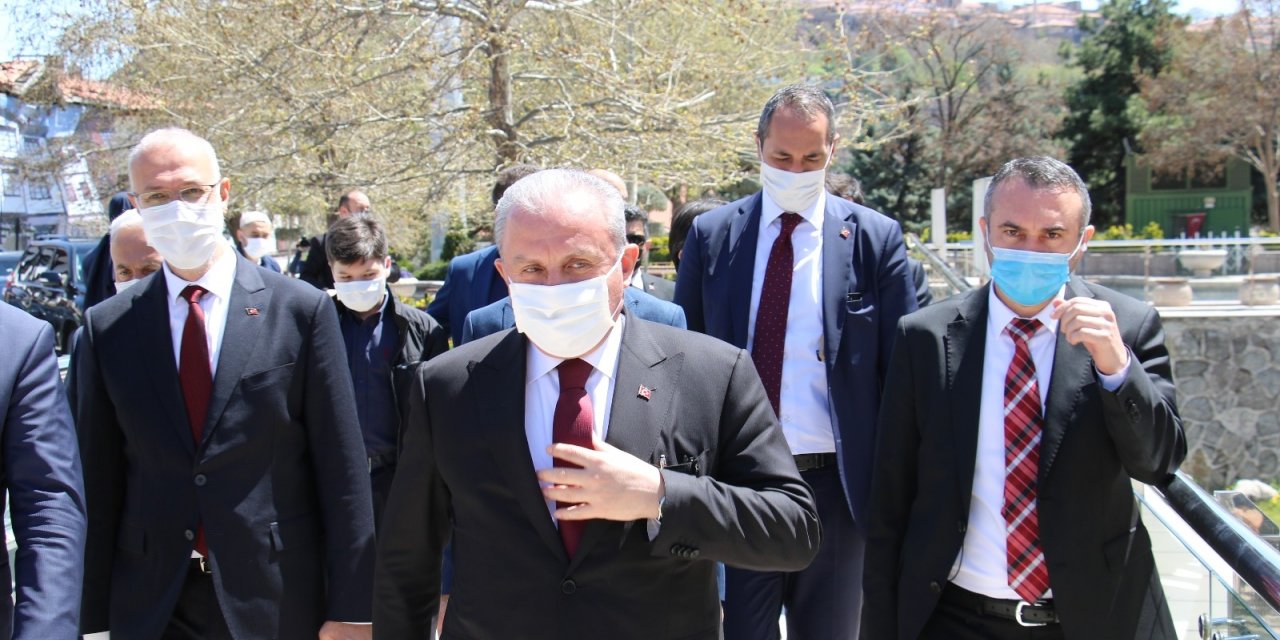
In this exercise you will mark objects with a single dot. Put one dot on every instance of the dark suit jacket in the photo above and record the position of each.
(498, 316)
(660, 288)
(866, 288)
(468, 285)
(1099, 555)
(41, 472)
(315, 270)
(280, 479)
(733, 495)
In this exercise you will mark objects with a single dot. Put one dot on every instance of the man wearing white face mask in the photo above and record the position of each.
(228, 496)
(386, 341)
(593, 466)
(254, 239)
(812, 285)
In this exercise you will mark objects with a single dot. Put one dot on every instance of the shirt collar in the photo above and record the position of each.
(604, 358)
(770, 210)
(217, 280)
(1000, 315)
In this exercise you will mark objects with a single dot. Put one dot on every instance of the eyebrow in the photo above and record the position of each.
(1015, 227)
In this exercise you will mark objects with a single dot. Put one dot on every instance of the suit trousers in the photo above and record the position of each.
(380, 482)
(197, 615)
(823, 602)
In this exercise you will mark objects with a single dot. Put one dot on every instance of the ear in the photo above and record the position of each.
(224, 189)
(630, 255)
(386, 263)
(502, 271)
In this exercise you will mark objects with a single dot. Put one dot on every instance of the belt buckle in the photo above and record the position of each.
(204, 566)
(1017, 615)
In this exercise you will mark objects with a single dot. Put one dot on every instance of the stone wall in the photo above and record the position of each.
(1227, 370)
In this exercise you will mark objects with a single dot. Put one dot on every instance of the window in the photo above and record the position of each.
(39, 191)
(85, 191)
(69, 194)
(8, 140)
(30, 144)
(12, 186)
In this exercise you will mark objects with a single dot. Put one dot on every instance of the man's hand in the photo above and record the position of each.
(346, 631)
(1091, 322)
(611, 485)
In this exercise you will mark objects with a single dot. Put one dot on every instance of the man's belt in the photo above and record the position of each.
(1026, 614)
(380, 460)
(813, 461)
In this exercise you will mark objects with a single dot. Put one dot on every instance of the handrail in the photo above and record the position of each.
(949, 274)
(1256, 562)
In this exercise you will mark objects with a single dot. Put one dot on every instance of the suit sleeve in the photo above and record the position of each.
(341, 468)
(689, 279)
(437, 341)
(756, 494)
(415, 528)
(894, 491)
(101, 446)
(46, 489)
(897, 292)
(678, 319)
(1142, 414)
(439, 307)
(468, 329)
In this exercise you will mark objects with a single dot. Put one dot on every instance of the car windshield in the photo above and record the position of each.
(82, 249)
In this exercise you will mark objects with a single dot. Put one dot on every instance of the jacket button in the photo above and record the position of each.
(568, 587)
(692, 553)
(935, 587)
(962, 526)
(189, 534)
(201, 480)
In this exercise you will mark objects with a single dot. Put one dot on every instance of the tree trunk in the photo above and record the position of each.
(1273, 203)
(501, 126)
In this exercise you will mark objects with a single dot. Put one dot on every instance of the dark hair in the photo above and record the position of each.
(845, 186)
(633, 213)
(682, 222)
(345, 198)
(354, 239)
(118, 204)
(508, 177)
(1041, 173)
(802, 99)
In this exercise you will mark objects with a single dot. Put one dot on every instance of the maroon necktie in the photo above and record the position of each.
(195, 376)
(771, 315)
(572, 424)
(1023, 424)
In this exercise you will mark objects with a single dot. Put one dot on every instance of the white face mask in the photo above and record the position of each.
(794, 192)
(255, 248)
(361, 295)
(185, 234)
(564, 320)
(121, 286)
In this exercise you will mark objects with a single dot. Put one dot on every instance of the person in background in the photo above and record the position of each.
(98, 272)
(638, 234)
(131, 256)
(253, 239)
(682, 221)
(316, 271)
(386, 341)
(299, 256)
(849, 188)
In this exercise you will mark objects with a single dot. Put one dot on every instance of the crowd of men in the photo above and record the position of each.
(784, 432)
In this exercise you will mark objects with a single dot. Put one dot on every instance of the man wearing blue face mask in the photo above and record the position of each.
(592, 465)
(1015, 418)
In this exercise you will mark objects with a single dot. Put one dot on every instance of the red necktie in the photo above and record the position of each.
(195, 376)
(771, 314)
(572, 424)
(1023, 424)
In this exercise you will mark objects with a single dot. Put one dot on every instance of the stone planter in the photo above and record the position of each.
(1260, 290)
(1202, 262)
(1171, 292)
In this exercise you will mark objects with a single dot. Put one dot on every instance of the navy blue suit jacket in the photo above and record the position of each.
(468, 285)
(498, 316)
(41, 471)
(866, 287)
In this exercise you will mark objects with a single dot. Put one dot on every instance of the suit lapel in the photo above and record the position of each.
(239, 338)
(744, 232)
(155, 343)
(838, 276)
(966, 347)
(503, 430)
(1072, 372)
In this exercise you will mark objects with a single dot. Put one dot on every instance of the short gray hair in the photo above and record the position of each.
(537, 191)
(172, 136)
(1041, 173)
(803, 99)
(126, 220)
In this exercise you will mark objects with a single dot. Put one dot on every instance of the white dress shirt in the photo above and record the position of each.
(542, 391)
(217, 281)
(982, 566)
(804, 410)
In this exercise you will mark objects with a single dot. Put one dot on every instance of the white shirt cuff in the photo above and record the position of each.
(1113, 381)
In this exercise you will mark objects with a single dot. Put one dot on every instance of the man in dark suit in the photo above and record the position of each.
(595, 465)
(227, 484)
(638, 234)
(316, 271)
(471, 281)
(41, 472)
(817, 314)
(1014, 418)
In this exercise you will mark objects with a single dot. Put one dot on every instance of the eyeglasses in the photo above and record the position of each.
(190, 195)
(635, 238)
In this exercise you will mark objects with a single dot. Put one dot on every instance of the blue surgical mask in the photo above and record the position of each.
(1030, 277)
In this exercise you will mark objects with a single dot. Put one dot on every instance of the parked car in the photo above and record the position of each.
(48, 283)
(8, 260)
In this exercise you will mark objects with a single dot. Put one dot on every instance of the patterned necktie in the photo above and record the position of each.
(1023, 423)
(572, 424)
(771, 315)
(195, 376)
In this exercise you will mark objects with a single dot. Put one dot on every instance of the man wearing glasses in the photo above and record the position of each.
(228, 489)
(638, 234)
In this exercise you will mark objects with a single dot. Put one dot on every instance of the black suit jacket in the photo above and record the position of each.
(733, 495)
(1094, 441)
(280, 479)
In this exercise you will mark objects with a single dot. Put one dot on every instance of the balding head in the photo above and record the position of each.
(175, 147)
(131, 257)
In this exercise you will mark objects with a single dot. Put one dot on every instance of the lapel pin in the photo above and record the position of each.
(251, 311)
(644, 392)
(844, 233)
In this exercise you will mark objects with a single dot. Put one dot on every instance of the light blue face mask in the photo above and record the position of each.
(1030, 277)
